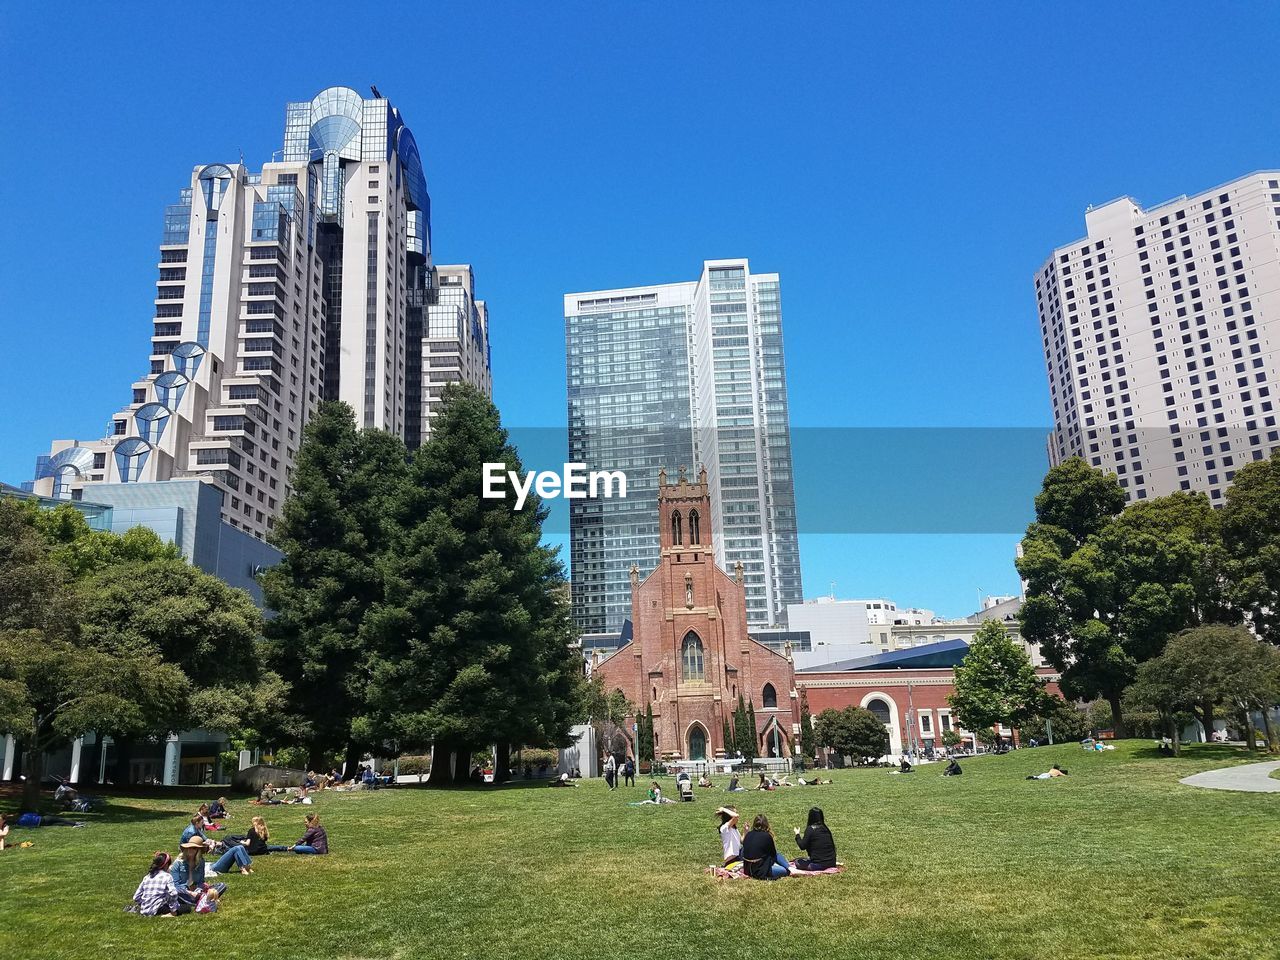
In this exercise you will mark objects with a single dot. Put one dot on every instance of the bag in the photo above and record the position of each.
(29, 820)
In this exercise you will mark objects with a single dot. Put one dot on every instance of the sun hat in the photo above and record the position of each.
(195, 843)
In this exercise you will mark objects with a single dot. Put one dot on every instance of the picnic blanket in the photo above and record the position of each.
(734, 871)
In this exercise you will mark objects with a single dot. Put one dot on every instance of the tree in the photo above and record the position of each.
(753, 733)
(1106, 589)
(1251, 537)
(996, 682)
(1056, 716)
(335, 531)
(646, 753)
(727, 737)
(53, 686)
(808, 739)
(469, 640)
(744, 732)
(853, 732)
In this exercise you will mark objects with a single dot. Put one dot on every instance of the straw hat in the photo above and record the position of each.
(195, 843)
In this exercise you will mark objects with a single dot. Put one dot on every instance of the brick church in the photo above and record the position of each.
(690, 656)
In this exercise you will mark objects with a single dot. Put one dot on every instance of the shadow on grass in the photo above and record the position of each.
(1200, 752)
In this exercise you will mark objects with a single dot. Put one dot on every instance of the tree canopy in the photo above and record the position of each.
(852, 732)
(1251, 537)
(996, 682)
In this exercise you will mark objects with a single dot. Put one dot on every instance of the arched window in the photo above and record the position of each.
(691, 657)
(677, 531)
(880, 709)
(694, 535)
(770, 696)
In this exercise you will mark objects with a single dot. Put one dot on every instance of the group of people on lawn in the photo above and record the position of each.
(756, 853)
(172, 887)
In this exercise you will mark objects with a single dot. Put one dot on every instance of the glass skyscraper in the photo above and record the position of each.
(682, 374)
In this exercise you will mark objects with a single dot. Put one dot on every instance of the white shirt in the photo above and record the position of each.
(731, 840)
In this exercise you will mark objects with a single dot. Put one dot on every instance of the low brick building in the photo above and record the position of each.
(906, 689)
(689, 655)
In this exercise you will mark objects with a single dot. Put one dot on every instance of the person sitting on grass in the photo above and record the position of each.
(208, 902)
(655, 795)
(235, 856)
(760, 856)
(4, 828)
(257, 841)
(218, 809)
(315, 840)
(735, 786)
(157, 895)
(194, 828)
(704, 782)
(205, 814)
(952, 769)
(730, 838)
(562, 781)
(904, 765)
(817, 842)
(268, 795)
(765, 783)
(1051, 774)
(190, 875)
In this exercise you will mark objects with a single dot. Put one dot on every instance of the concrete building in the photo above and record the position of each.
(309, 280)
(1160, 329)
(673, 374)
(690, 657)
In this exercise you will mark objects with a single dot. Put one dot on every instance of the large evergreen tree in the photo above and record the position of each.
(1251, 535)
(335, 531)
(470, 641)
(1107, 587)
(808, 738)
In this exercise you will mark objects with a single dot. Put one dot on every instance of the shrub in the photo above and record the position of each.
(415, 765)
(533, 756)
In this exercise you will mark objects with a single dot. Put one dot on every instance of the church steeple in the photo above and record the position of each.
(684, 512)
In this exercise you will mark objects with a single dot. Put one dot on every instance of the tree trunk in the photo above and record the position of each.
(1273, 746)
(502, 769)
(1171, 726)
(352, 761)
(33, 768)
(1207, 719)
(1117, 719)
(441, 765)
(1250, 737)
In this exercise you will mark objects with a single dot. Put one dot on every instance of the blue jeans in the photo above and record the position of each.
(779, 868)
(235, 854)
(305, 848)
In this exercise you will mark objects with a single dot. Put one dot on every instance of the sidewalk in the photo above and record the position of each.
(1250, 778)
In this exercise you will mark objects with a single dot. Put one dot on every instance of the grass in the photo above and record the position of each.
(1118, 860)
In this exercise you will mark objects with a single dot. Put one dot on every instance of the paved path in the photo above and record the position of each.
(1251, 778)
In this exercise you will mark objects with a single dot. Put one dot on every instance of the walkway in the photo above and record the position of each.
(1250, 777)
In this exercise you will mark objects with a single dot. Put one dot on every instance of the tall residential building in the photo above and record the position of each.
(310, 280)
(683, 374)
(1160, 329)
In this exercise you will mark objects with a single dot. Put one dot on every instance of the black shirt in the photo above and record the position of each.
(256, 846)
(759, 853)
(820, 845)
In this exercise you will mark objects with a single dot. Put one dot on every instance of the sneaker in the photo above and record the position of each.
(210, 873)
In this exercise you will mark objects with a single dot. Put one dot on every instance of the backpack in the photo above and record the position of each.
(29, 820)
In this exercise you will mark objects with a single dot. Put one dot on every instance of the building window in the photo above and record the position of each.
(880, 709)
(677, 529)
(694, 535)
(770, 696)
(691, 658)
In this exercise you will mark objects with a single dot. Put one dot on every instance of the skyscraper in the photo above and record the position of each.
(682, 374)
(1160, 330)
(310, 280)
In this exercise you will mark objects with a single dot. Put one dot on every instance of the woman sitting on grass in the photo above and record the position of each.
(765, 783)
(257, 841)
(189, 875)
(206, 818)
(315, 840)
(817, 842)
(235, 855)
(4, 828)
(218, 809)
(157, 895)
(730, 838)
(760, 856)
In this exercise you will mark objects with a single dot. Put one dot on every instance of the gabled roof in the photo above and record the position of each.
(930, 656)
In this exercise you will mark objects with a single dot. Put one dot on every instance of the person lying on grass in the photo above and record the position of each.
(815, 782)
(315, 839)
(817, 842)
(730, 838)
(1052, 774)
(562, 781)
(760, 857)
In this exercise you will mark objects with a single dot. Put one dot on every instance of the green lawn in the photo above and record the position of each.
(1118, 860)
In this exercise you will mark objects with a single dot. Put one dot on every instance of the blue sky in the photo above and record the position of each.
(905, 173)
